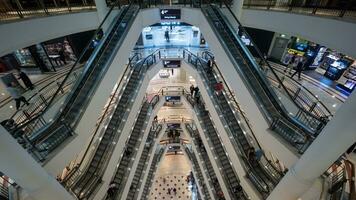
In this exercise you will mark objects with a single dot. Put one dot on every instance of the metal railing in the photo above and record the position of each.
(41, 98)
(17, 9)
(38, 124)
(74, 173)
(341, 180)
(7, 189)
(301, 95)
(81, 170)
(338, 8)
(262, 182)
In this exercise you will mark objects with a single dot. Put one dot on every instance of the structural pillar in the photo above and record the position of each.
(336, 137)
(237, 8)
(16, 163)
(102, 9)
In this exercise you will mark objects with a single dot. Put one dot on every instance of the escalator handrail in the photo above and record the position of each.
(81, 55)
(141, 68)
(248, 167)
(105, 41)
(243, 115)
(306, 129)
(294, 82)
(101, 120)
(60, 87)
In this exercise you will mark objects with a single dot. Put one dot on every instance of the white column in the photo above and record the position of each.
(338, 135)
(102, 10)
(16, 163)
(237, 8)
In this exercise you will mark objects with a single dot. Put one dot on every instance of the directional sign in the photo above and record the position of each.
(170, 14)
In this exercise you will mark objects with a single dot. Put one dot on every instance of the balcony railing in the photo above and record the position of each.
(340, 9)
(19, 9)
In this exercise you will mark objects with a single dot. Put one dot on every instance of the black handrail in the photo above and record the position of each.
(245, 119)
(141, 64)
(60, 87)
(129, 65)
(260, 55)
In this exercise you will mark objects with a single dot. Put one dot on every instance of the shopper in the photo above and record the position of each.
(25, 79)
(300, 67)
(166, 35)
(62, 56)
(291, 63)
(197, 97)
(15, 93)
(191, 90)
(218, 87)
(111, 190)
(196, 90)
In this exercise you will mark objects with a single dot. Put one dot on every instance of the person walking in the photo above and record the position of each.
(15, 93)
(25, 79)
(291, 63)
(300, 67)
(175, 191)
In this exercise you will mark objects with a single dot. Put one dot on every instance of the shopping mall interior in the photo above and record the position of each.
(177, 100)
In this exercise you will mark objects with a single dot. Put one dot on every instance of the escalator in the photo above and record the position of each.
(199, 172)
(262, 179)
(194, 134)
(131, 146)
(156, 158)
(90, 177)
(79, 98)
(141, 167)
(228, 173)
(256, 80)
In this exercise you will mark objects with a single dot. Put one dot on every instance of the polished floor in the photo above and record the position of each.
(172, 173)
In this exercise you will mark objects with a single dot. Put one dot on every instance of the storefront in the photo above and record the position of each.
(334, 65)
(59, 51)
(50, 55)
(172, 34)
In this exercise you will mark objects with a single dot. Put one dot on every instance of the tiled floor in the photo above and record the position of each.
(172, 173)
(330, 97)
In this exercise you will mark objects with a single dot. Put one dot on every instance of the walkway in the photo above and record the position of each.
(317, 85)
(46, 82)
(172, 173)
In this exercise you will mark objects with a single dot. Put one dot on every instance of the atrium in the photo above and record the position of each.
(177, 100)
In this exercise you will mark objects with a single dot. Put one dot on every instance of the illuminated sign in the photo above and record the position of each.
(170, 14)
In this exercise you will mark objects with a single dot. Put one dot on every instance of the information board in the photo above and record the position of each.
(170, 14)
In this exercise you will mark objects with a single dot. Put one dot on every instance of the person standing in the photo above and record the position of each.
(191, 90)
(166, 35)
(196, 90)
(111, 190)
(15, 93)
(25, 79)
(299, 69)
(62, 56)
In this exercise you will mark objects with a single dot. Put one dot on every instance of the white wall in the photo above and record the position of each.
(24, 33)
(335, 34)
